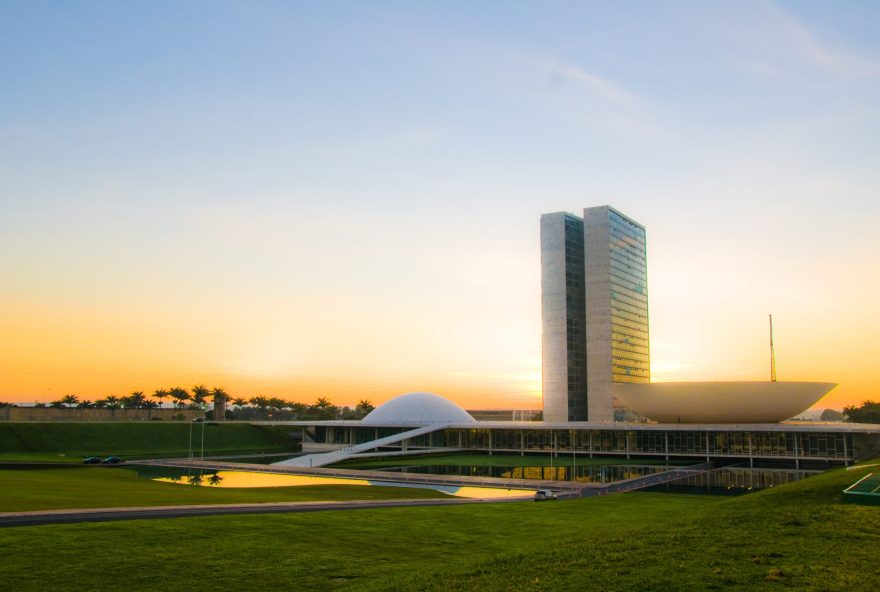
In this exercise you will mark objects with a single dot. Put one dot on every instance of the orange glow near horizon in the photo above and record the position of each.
(95, 353)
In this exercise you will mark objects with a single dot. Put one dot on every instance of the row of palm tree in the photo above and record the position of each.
(277, 408)
(198, 395)
(135, 400)
(242, 408)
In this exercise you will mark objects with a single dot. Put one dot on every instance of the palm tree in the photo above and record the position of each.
(160, 394)
(219, 394)
(199, 394)
(135, 400)
(324, 409)
(220, 397)
(364, 406)
(239, 402)
(85, 405)
(112, 401)
(179, 395)
(70, 400)
(259, 402)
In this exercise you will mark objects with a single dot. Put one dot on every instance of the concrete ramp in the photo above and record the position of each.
(327, 458)
(648, 480)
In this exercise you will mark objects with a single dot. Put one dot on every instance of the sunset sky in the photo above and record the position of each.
(342, 199)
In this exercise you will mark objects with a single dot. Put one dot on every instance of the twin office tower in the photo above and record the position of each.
(594, 300)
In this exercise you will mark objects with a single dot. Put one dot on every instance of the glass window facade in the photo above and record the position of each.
(630, 354)
(643, 442)
(575, 319)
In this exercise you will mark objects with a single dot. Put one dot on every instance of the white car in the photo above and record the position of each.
(543, 495)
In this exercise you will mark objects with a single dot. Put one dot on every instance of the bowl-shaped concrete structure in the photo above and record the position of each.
(720, 402)
(416, 409)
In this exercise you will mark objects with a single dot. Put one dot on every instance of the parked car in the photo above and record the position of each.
(543, 495)
(92, 460)
(111, 460)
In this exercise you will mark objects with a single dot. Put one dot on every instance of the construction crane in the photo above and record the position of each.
(772, 354)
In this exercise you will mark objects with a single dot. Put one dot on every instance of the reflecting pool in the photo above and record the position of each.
(254, 479)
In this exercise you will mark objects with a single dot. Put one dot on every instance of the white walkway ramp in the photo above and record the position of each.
(326, 458)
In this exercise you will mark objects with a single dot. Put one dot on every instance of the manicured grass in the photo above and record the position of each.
(39, 457)
(797, 537)
(46, 441)
(495, 460)
(47, 489)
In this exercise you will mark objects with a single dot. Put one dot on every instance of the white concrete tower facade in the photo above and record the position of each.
(563, 308)
(594, 311)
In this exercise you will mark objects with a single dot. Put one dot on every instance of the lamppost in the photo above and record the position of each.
(203, 439)
(191, 438)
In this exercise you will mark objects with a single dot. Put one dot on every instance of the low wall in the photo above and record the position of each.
(76, 414)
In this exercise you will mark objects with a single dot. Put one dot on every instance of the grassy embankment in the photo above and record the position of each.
(71, 442)
(495, 460)
(798, 537)
(48, 489)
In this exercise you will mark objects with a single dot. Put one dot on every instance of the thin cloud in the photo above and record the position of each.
(763, 68)
(810, 50)
(596, 85)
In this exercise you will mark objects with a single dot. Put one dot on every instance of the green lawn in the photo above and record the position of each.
(797, 537)
(495, 460)
(71, 442)
(47, 489)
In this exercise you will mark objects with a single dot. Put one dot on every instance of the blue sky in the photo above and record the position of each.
(353, 188)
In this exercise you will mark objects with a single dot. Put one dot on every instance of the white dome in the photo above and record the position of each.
(418, 408)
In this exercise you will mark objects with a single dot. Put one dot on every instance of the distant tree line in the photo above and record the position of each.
(263, 408)
(197, 397)
(867, 412)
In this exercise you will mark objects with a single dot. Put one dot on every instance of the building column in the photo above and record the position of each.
(751, 454)
(666, 443)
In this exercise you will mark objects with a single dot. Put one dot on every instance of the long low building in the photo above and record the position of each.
(423, 422)
(823, 442)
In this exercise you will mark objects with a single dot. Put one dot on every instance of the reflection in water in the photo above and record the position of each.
(225, 479)
(233, 479)
(582, 474)
(465, 491)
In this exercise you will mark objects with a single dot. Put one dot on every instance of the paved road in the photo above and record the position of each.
(108, 514)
